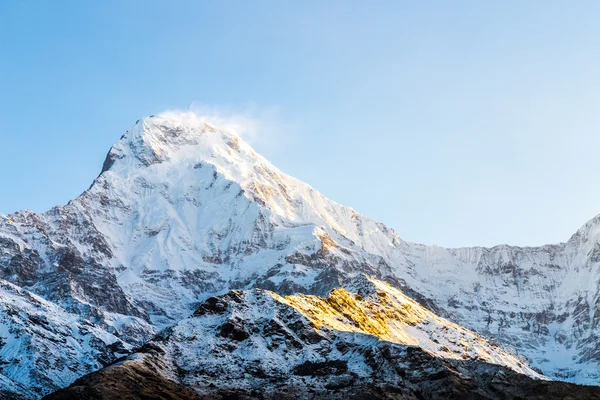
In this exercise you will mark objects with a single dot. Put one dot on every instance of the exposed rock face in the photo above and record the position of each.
(255, 345)
(183, 211)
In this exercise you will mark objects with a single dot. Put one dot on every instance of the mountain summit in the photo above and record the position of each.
(184, 212)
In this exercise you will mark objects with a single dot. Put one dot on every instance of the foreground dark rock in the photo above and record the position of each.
(126, 381)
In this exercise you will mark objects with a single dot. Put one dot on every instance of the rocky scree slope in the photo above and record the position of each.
(184, 210)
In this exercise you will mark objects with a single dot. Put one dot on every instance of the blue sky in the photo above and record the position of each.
(456, 123)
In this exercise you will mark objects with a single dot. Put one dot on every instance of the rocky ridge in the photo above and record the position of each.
(255, 344)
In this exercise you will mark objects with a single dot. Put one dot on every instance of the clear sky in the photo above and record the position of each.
(454, 122)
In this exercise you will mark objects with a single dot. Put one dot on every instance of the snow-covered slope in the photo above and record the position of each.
(184, 210)
(44, 348)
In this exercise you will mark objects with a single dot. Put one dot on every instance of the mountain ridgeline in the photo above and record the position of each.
(192, 266)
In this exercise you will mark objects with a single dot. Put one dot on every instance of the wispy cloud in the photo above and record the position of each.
(260, 126)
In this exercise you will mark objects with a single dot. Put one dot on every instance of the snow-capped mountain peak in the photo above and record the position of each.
(184, 209)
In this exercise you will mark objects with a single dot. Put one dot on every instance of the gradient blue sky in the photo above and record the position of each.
(456, 123)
